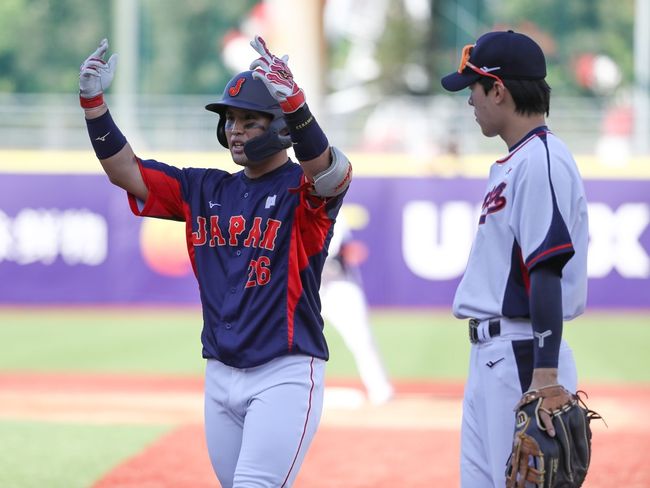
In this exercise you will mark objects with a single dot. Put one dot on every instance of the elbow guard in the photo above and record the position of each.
(335, 179)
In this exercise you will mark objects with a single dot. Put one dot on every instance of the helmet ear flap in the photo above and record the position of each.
(221, 131)
(275, 139)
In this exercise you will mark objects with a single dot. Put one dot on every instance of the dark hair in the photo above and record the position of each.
(530, 96)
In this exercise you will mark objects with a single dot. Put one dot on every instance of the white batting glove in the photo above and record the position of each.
(277, 77)
(95, 76)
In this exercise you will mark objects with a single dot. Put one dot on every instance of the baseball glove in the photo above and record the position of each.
(543, 461)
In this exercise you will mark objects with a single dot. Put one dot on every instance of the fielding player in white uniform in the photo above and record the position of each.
(527, 271)
(345, 307)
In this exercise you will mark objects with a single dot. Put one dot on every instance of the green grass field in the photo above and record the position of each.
(66, 455)
(424, 345)
(609, 347)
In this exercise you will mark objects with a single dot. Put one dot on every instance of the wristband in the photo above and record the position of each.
(106, 138)
(293, 102)
(309, 140)
(93, 102)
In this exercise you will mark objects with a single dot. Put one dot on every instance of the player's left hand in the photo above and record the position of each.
(544, 378)
(277, 77)
(543, 460)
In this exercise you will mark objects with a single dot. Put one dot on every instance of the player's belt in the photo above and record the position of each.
(493, 329)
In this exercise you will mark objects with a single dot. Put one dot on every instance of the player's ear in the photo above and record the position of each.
(500, 91)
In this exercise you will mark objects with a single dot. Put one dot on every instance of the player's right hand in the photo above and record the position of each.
(95, 76)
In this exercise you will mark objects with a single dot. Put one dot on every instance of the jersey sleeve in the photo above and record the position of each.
(315, 217)
(537, 220)
(165, 199)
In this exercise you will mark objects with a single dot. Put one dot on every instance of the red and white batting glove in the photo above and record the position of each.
(95, 76)
(277, 77)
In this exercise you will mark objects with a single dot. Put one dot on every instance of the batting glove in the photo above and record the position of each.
(277, 77)
(95, 76)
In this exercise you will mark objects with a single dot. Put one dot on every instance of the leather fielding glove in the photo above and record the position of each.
(542, 461)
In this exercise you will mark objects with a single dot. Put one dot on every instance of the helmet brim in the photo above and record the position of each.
(221, 107)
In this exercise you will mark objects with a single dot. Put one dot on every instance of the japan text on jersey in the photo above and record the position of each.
(257, 247)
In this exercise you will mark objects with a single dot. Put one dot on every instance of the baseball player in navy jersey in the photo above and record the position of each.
(257, 240)
(527, 270)
(345, 308)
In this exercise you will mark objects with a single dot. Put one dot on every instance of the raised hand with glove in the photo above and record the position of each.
(111, 147)
(277, 77)
(327, 168)
(95, 76)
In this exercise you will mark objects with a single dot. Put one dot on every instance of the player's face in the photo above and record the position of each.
(485, 110)
(241, 126)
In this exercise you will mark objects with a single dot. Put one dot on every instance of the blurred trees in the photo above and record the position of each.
(569, 30)
(42, 42)
(181, 44)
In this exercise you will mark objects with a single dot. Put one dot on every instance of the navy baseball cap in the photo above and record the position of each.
(500, 55)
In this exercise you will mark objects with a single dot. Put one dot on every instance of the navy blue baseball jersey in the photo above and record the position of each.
(257, 247)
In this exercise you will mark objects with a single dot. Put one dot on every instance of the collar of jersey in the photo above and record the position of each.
(542, 130)
(266, 176)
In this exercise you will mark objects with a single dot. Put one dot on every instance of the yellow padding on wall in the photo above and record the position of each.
(364, 164)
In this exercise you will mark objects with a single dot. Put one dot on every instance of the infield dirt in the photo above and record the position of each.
(412, 441)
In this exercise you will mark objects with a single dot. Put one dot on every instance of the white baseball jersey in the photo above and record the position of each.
(534, 210)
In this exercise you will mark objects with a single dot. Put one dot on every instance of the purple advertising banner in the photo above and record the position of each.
(71, 239)
(419, 233)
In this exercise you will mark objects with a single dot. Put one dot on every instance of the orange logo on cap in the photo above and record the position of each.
(234, 90)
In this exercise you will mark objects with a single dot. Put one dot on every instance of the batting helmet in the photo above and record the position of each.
(245, 92)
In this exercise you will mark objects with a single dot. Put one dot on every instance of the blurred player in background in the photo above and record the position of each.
(257, 240)
(527, 270)
(344, 306)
